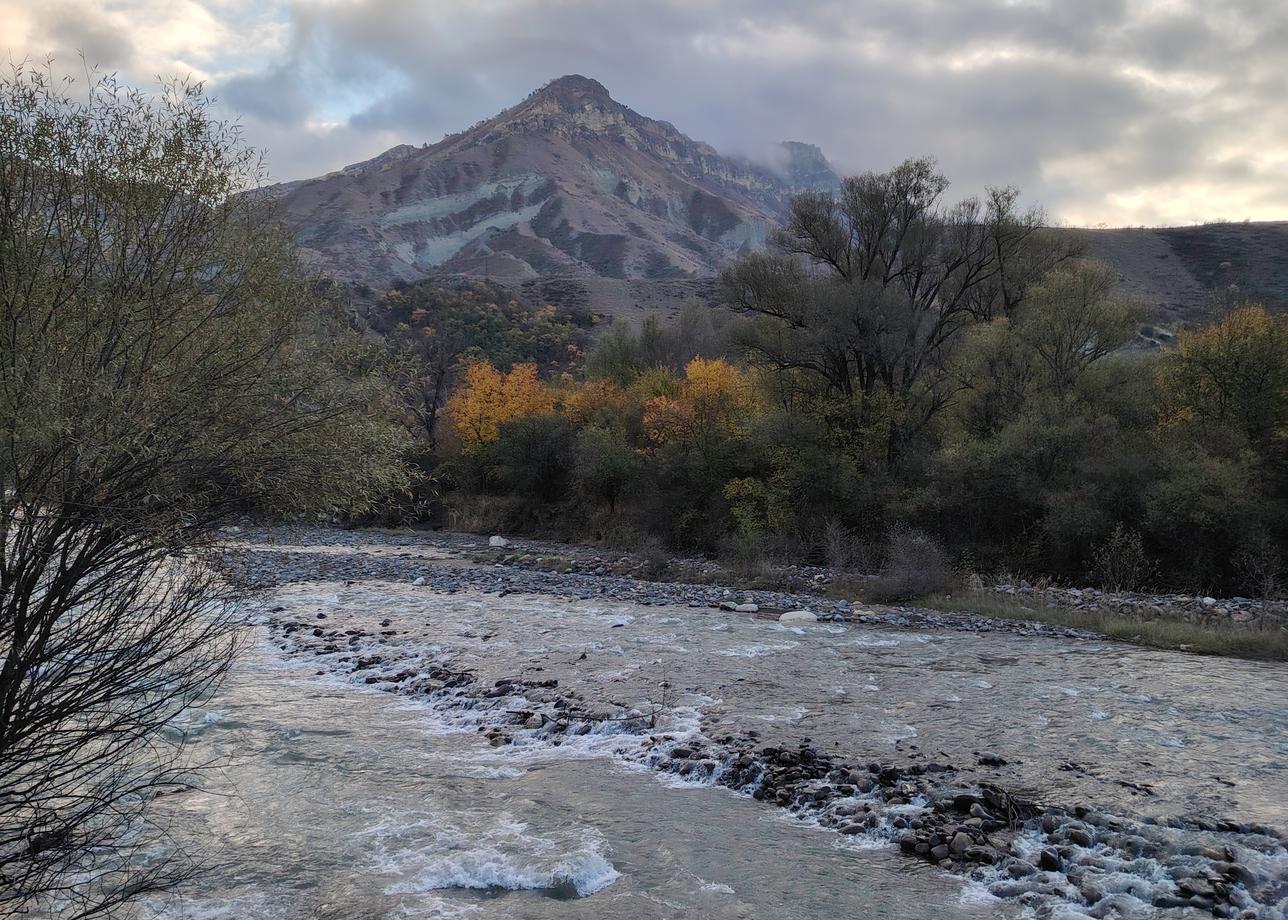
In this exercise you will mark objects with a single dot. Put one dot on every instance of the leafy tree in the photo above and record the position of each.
(1203, 508)
(696, 431)
(1073, 318)
(605, 464)
(439, 327)
(533, 456)
(163, 362)
(654, 346)
(1035, 450)
(920, 368)
(615, 357)
(1222, 494)
(657, 382)
(1233, 374)
(603, 404)
(625, 353)
(761, 505)
(715, 397)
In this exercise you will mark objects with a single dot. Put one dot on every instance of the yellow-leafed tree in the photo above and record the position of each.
(1235, 374)
(714, 396)
(487, 398)
(604, 403)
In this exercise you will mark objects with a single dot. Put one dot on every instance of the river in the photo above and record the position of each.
(335, 798)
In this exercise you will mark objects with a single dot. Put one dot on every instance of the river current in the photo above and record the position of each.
(336, 799)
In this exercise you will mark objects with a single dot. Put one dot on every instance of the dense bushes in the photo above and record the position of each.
(436, 328)
(1058, 456)
(858, 421)
(915, 566)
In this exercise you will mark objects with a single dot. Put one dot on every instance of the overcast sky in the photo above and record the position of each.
(1105, 111)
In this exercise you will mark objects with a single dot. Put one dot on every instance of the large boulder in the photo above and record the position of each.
(499, 542)
(798, 617)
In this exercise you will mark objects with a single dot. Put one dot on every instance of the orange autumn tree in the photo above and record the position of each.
(713, 397)
(605, 404)
(488, 398)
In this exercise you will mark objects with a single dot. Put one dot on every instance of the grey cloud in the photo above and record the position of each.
(1135, 94)
(66, 29)
(278, 96)
(1004, 120)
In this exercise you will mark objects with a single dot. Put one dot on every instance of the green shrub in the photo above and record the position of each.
(533, 458)
(604, 465)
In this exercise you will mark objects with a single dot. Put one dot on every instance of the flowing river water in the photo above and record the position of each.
(544, 756)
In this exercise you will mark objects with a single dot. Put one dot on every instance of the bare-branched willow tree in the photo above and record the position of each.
(163, 363)
(872, 287)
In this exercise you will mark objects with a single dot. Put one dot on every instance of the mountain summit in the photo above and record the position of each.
(569, 182)
(577, 90)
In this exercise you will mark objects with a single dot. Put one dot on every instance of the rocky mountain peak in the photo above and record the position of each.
(575, 104)
(568, 182)
(803, 166)
(575, 89)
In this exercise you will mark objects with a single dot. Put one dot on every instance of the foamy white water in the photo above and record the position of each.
(344, 802)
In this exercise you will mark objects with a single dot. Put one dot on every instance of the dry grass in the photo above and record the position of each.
(915, 566)
(480, 514)
(1234, 640)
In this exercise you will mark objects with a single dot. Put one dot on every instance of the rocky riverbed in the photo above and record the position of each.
(809, 581)
(1187, 608)
(290, 554)
(1052, 770)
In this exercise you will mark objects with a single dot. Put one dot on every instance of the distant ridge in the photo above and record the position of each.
(571, 194)
(1188, 273)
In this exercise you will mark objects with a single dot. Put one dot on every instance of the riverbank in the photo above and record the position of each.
(1239, 627)
(264, 558)
(1262, 639)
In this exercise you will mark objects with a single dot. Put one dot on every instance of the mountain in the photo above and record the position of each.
(578, 200)
(568, 183)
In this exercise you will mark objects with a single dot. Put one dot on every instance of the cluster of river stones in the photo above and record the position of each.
(1189, 608)
(1019, 848)
(807, 581)
(1043, 854)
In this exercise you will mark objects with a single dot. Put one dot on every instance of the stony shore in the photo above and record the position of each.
(958, 816)
(563, 569)
(1185, 608)
(560, 570)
